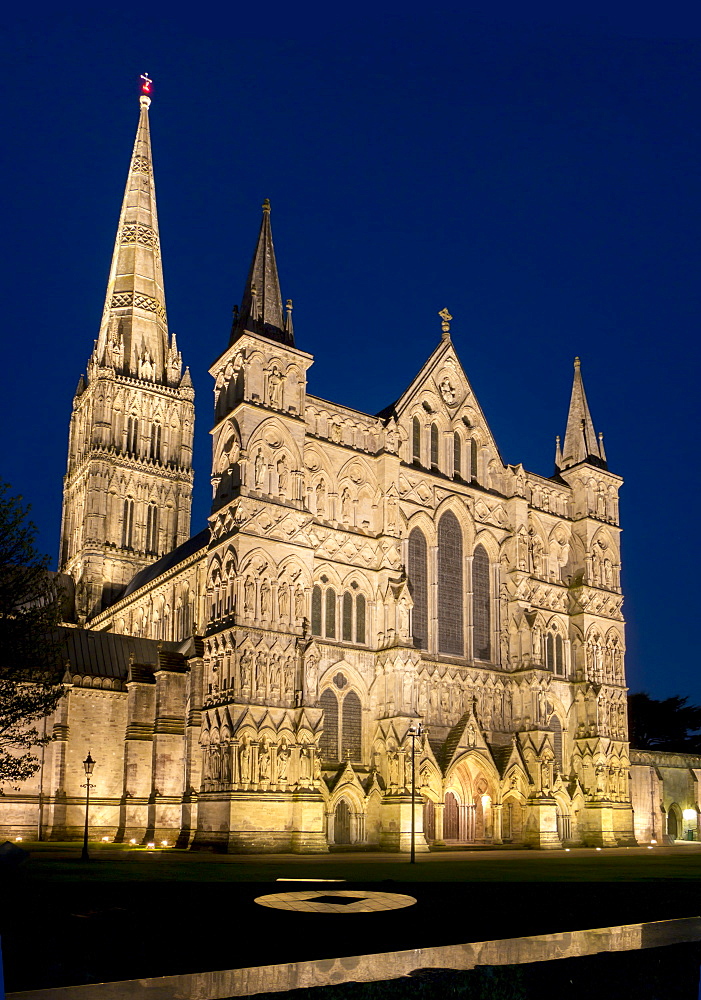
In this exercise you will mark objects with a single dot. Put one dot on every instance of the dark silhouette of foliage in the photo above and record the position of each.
(671, 724)
(30, 661)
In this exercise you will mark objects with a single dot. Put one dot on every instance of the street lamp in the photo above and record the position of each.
(88, 764)
(416, 729)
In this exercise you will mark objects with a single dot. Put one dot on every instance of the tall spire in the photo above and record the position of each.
(261, 307)
(134, 329)
(581, 443)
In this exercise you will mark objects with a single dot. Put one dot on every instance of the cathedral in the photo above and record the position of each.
(376, 601)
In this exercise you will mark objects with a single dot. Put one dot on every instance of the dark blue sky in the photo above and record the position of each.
(539, 177)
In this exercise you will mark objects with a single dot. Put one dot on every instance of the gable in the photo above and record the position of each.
(441, 396)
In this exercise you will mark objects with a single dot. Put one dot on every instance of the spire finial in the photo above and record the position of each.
(266, 205)
(145, 100)
(445, 325)
(577, 364)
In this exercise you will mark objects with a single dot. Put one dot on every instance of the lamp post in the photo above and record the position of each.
(88, 764)
(416, 729)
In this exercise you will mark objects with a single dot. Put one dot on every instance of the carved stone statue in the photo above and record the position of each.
(265, 599)
(447, 390)
(249, 596)
(275, 380)
(245, 663)
(264, 763)
(245, 763)
(321, 499)
(259, 467)
(305, 764)
(282, 476)
(283, 760)
(299, 603)
(311, 676)
(283, 601)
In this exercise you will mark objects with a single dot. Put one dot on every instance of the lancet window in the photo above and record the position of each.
(555, 653)
(152, 529)
(155, 453)
(341, 738)
(418, 583)
(457, 456)
(353, 613)
(324, 612)
(132, 436)
(481, 605)
(473, 459)
(416, 440)
(128, 523)
(434, 446)
(450, 587)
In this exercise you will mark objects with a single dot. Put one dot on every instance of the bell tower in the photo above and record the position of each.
(128, 486)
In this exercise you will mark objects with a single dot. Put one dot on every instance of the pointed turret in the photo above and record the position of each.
(261, 306)
(581, 443)
(134, 332)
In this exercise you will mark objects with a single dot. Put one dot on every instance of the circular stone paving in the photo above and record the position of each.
(336, 901)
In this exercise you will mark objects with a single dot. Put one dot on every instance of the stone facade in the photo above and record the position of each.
(359, 574)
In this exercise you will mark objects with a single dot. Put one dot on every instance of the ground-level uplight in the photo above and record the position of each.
(164, 843)
(152, 844)
(133, 840)
(105, 840)
(18, 839)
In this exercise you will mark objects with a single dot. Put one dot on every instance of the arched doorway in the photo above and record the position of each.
(341, 823)
(429, 819)
(451, 819)
(674, 825)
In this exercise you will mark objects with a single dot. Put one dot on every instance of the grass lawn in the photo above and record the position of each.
(133, 913)
(118, 863)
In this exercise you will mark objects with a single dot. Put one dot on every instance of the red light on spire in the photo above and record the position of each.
(146, 85)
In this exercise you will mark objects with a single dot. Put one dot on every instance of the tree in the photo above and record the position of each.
(30, 660)
(671, 724)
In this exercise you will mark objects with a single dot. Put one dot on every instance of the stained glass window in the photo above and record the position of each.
(360, 618)
(450, 589)
(416, 440)
(481, 611)
(347, 617)
(473, 459)
(418, 584)
(559, 655)
(316, 611)
(329, 737)
(457, 456)
(330, 613)
(351, 726)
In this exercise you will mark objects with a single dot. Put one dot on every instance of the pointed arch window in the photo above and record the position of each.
(416, 440)
(418, 585)
(555, 653)
(450, 588)
(351, 727)
(434, 446)
(360, 618)
(481, 605)
(152, 529)
(347, 626)
(156, 442)
(473, 458)
(128, 523)
(457, 456)
(330, 613)
(316, 611)
(132, 436)
(329, 738)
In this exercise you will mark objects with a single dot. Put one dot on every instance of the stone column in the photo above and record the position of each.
(439, 811)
